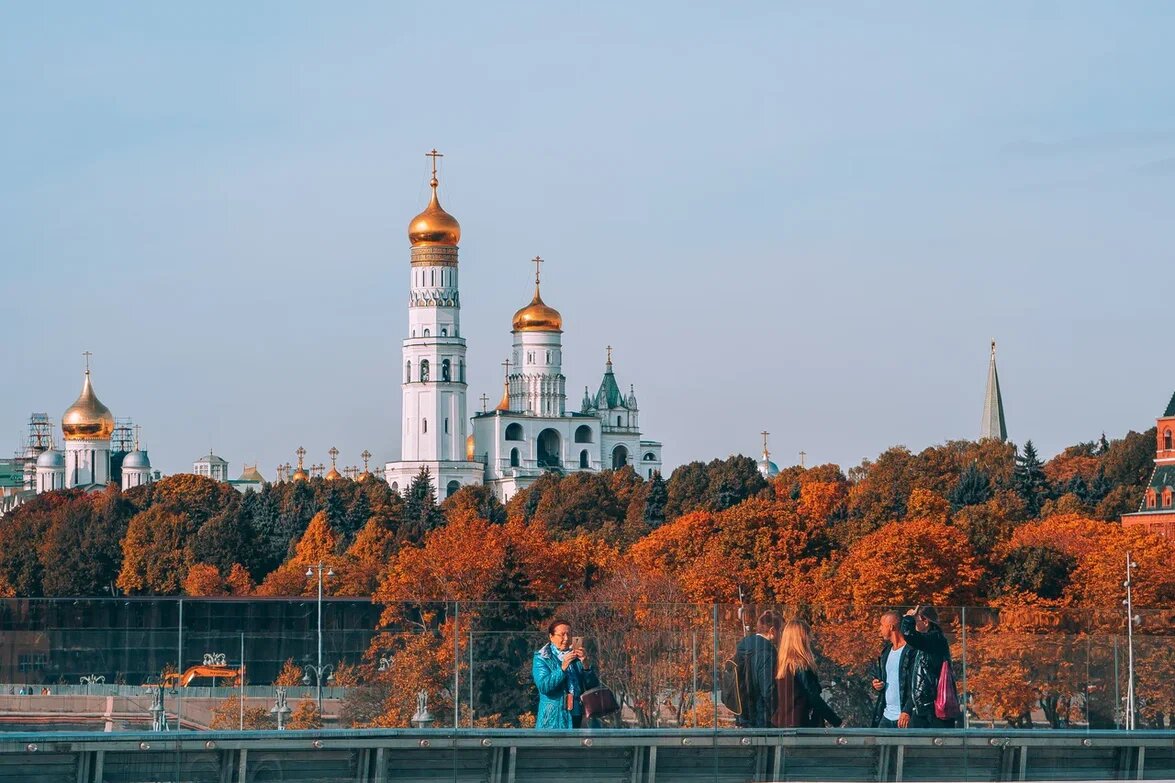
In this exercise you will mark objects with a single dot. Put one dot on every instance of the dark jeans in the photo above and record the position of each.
(886, 723)
(577, 721)
(930, 722)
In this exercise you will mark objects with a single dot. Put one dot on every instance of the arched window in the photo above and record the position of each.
(583, 459)
(514, 458)
(1166, 440)
(451, 488)
(395, 486)
(514, 431)
(408, 372)
(617, 421)
(444, 332)
(619, 457)
(1150, 498)
(424, 425)
(650, 456)
(427, 333)
(424, 370)
(583, 434)
(446, 371)
(548, 357)
(461, 370)
(547, 449)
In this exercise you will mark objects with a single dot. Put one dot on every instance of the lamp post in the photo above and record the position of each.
(1131, 619)
(92, 679)
(280, 708)
(319, 670)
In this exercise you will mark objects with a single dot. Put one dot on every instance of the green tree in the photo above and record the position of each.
(1041, 570)
(973, 488)
(224, 539)
(421, 513)
(1031, 483)
(687, 489)
(656, 500)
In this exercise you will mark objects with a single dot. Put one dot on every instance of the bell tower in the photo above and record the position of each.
(434, 424)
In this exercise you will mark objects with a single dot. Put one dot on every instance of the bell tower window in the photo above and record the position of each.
(1166, 440)
(424, 370)
(446, 371)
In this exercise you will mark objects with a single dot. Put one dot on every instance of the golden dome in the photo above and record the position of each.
(538, 316)
(333, 474)
(87, 418)
(363, 476)
(469, 448)
(434, 226)
(299, 475)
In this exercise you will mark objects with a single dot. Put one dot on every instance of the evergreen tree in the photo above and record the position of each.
(1078, 487)
(421, 513)
(655, 501)
(1103, 446)
(1031, 483)
(732, 481)
(1038, 569)
(973, 488)
(356, 516)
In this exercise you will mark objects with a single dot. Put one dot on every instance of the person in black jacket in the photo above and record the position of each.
(921, 629)
(755, 656)
(891, 676)
(800, 703)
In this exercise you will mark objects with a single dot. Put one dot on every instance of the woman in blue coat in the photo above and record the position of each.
(561, 675)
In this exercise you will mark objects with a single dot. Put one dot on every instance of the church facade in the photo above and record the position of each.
(1157, 512)
(531, 431)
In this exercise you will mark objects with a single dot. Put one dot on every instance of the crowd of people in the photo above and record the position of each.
(776, 676)
(779, 687)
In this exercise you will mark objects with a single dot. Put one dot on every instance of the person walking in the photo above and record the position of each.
(755, 656)
(891, 676)
(922, 632)
(799, 701)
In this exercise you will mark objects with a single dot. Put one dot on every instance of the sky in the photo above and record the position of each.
(803, 217)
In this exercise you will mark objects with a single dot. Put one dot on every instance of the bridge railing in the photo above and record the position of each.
(468, 665)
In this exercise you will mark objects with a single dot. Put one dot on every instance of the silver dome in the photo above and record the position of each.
(136, 459)
(51, 458)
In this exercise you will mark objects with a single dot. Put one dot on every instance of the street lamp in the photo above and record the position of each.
(92, 679)
(280, 708)
(319, 670)
(1131, 619)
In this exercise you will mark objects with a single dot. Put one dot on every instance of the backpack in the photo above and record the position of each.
(731, 681)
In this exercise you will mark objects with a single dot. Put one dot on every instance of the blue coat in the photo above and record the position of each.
(554, 683)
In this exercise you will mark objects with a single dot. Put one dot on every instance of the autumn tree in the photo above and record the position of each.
(204, 579)
(155, 551)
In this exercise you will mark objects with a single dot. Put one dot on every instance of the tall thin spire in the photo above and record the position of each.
(993, 425)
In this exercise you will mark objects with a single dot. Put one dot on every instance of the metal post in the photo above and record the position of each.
(241, 680)
(456, 664)
(471, 675)
(1117, 689)
(694, 668)
(714, 682)
(318, 677)
(1130, 619)
(966, 694)
(179, 666)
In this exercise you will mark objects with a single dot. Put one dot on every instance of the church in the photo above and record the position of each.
(531, 431)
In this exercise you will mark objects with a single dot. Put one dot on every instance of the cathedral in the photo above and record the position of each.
(531, 431)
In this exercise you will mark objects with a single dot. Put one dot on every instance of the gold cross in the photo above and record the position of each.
(506, 364)
(536, 263)
(434, 155)
(764, 433)
(484, 401)
(87, 354)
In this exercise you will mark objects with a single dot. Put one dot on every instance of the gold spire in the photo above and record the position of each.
(434, 226)
(538, 316)
(333, 474)
(504, 405)
(87, 418)
(300, 473)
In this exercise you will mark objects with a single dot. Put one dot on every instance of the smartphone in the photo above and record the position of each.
(577, 642)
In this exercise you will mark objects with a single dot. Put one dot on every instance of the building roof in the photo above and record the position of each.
(993, 425)
(609, 395)
(1170, 408)
(250, 473)
(211, 459)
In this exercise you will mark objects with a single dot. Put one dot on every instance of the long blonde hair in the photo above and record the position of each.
(795, 649)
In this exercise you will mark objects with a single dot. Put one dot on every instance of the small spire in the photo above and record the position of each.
(609, 358)
(504, 405)
(766, 452)
(993, 425)
(87, 355)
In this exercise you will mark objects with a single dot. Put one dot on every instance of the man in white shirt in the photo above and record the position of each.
(891, 676)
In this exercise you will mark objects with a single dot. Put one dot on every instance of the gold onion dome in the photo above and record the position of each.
(333, 474)
(87, 418)
(538, 316)
(434, 226)
(299, 475)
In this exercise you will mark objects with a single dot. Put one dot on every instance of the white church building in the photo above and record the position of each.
(531, 431)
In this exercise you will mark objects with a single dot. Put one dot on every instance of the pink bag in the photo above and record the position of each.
(946, 704)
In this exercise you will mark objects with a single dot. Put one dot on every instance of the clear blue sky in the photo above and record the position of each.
(808, 218)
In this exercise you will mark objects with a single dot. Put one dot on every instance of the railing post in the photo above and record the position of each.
(179, 667)
(966, 693)
(456, 665)
(714, 666)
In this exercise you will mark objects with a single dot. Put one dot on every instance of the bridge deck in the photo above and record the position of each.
(623, 756)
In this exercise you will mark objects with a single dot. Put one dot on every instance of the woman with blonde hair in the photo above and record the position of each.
(800, 703)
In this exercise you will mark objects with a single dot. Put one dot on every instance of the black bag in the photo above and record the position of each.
(599, 702)
(731, 684)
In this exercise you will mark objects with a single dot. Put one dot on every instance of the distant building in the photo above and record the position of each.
(993, 425)
(767, 468)
(250, 478)
(211, 466)
(1157, 512)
